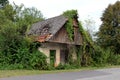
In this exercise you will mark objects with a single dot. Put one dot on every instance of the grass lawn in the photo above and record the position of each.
(9, 73)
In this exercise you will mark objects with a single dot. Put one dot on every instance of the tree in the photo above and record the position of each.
(3, 3)
(109, 33)
(14, 45)
(25, 18)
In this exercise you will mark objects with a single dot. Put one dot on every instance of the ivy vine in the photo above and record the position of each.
(88, 48)
(70, 14)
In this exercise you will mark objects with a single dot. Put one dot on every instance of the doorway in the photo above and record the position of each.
(63, 56)
(52, 57)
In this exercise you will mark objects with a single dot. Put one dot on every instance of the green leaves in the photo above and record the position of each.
(3, 3)
(70, 29)
(108, 36)
(15, 46)
(70, 14)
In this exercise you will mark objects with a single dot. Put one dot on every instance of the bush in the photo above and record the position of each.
(103, 57)
(66, 66)
(38, 61)
(114, 59)
(23, 57)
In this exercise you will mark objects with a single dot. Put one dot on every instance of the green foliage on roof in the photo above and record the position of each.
(70, 14)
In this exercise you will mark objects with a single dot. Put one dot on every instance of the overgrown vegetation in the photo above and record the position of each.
(109, 33)
(70, 14)
(73, 50)
(17, 50)
(89, 54)
(82, 52)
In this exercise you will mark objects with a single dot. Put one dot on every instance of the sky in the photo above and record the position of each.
(87, 9)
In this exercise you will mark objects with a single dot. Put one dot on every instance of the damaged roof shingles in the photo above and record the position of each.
(52, 24)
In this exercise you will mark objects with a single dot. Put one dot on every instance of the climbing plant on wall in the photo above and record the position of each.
(92, 53)
(88, 53)
(70, 14)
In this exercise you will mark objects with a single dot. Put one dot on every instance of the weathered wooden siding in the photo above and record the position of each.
(78, 39)
(62, 37)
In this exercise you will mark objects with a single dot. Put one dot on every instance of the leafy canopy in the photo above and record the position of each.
(109, 34)
(3, 3)
(15, 47)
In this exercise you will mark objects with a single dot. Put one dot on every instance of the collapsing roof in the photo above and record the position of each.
(51, 24)
(47, 28)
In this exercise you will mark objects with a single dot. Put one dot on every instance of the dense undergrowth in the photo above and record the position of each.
(17, 50)
(89, 54)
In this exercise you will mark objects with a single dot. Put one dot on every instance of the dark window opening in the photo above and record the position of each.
(63, 56)
(73, 35)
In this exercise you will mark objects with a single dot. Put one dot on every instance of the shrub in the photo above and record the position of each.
(66, 66)
(114, 59)
(23, 57)
(38, 61)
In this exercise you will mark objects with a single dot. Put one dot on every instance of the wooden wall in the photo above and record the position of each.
(62, 37)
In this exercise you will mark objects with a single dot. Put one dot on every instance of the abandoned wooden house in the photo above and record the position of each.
(54, 39)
